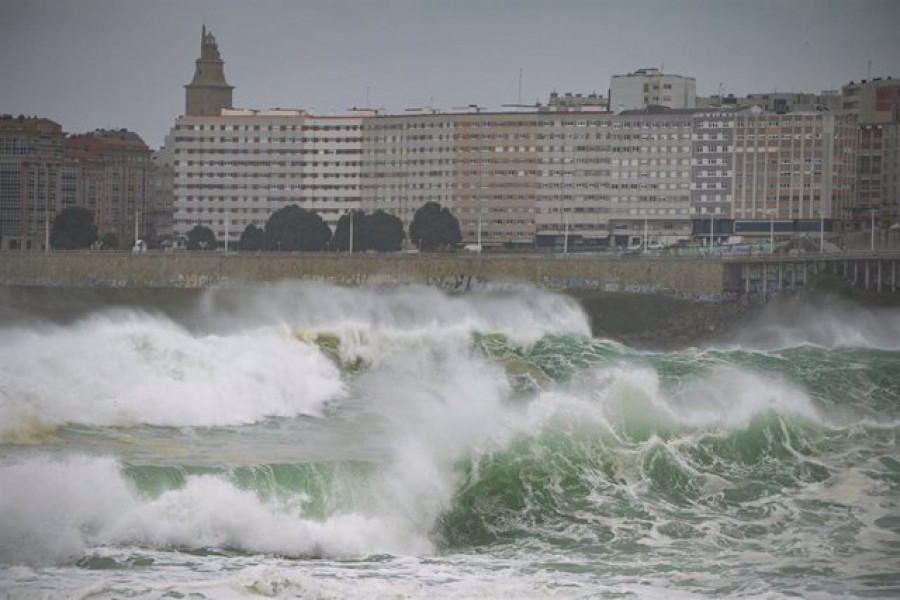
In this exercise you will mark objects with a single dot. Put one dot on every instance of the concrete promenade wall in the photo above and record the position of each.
(684, 277)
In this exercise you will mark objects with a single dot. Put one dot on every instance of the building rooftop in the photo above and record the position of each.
(29, 124)
(105, 140)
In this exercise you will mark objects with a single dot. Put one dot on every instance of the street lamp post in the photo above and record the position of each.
(872, 228)
(351, 231)
(771, 213)
(821, 231)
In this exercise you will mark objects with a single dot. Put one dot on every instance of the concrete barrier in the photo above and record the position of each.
(700, 279)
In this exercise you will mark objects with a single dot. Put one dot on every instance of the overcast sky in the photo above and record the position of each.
(123, 63)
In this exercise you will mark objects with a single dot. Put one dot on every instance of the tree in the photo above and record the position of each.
(201, 238)
(253, 238)
(434, 227)
(292, 228)
(383, 232)
(379, 231)
(73, 228)
(110, 241)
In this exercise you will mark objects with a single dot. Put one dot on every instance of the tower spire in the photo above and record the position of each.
(208, 92)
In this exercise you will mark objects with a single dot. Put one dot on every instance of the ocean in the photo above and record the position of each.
(307, 441)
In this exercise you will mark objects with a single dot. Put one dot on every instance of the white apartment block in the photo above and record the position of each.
(712, 173)
(650, 196)
(581, 180)
(237, 168)
(651, 87)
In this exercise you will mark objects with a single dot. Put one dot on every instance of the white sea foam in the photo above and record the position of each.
(125, 369)
(525, 315)
(829, 323)
(54, 508)
(724, 397)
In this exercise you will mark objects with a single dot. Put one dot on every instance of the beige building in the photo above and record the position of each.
(112, 180)
(876, 104)
(797, 169)
(161, 202)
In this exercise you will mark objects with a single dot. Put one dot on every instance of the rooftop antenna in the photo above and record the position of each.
(367, 97)
(519, 101)
(869, 70)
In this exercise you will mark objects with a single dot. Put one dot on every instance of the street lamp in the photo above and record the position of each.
(872, 228)
(771, 213)
(821, 231)
(351, 231)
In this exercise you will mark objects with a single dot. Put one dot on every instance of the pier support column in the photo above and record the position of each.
(747, 281)
(867, 274)
(765, 281)
(878, 285)
(855, 273)
(893, 275)
(780, 277)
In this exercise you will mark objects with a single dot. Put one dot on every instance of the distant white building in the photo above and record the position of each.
(649, 87)
(236, 169)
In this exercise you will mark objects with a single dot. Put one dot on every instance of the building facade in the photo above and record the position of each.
(112, 170)
(651, 87)
(876, 104)
(237, 168)
(31, 180)
(712, 174)
(569, 175)
(793, 169)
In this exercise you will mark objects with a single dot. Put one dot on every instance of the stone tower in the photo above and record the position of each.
(208, 93)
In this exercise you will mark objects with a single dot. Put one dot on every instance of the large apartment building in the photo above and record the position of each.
(797, 169)
(111, 178)
(876, 104)
(31, 160)
(237, 168)
(42, 172)
(566, 175)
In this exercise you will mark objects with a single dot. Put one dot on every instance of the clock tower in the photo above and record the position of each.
(208, 92)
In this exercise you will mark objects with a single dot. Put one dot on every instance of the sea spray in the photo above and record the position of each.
(126, 369)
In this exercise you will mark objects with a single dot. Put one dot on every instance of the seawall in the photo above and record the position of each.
(689, 278)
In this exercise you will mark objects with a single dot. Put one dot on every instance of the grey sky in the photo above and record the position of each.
(123, 63)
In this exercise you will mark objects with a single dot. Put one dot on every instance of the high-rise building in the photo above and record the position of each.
(208, 92)
(712, 174)
(237, 168)
(797, 169)
(651, 87)
(31, 161)
(112, 180)
(161, 197)
(876, 104)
